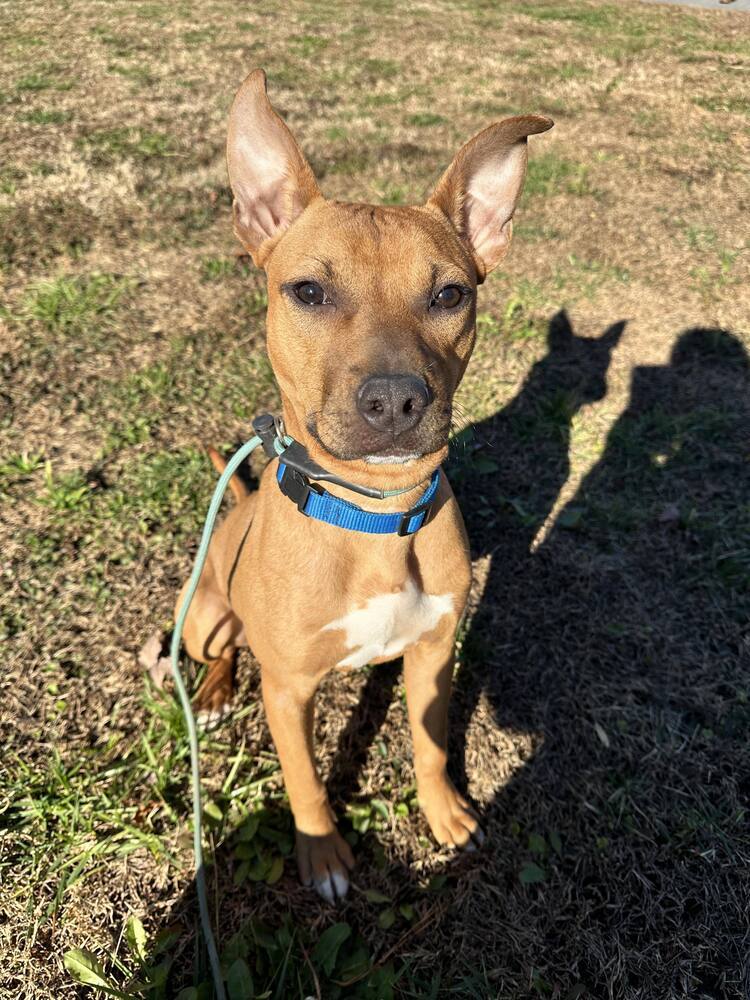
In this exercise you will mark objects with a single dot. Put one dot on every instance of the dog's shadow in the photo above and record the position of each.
(610, 655)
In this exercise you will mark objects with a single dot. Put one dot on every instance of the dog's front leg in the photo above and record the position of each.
(323, 856)
(428, 673)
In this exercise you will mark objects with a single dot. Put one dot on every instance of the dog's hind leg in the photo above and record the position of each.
(213, 632)
(212, 635)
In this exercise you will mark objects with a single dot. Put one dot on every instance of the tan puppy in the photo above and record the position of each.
(371, 315)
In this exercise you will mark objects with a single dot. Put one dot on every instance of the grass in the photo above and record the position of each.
(600, 718)
(71, 306)
(112, 145)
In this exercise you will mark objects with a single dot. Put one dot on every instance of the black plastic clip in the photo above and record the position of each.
(406, 519)
(265, 427)
(297, 487)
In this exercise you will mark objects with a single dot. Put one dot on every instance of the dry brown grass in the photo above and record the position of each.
(602, 695)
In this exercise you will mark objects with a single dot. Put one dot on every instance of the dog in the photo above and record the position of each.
(371, 323)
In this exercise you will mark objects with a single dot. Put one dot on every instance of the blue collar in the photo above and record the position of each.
(313, 501)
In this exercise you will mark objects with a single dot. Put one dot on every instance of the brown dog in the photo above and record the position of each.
(371, 315)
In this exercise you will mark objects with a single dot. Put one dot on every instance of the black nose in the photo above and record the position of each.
(393, 403)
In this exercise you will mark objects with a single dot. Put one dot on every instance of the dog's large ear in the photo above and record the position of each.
(480, 190)
(271, 180)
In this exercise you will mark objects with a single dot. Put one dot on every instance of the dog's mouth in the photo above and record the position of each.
(393, 458)
(350, 447)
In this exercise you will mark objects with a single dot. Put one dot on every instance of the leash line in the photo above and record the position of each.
(187, 709)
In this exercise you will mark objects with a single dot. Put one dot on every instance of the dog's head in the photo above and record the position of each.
(371, 310)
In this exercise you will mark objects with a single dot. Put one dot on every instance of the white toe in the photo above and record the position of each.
(340, 884)
(325, 888)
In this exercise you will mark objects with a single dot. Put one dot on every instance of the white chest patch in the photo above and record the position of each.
(389, 623)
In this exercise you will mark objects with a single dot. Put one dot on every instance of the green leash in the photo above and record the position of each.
(200, 559)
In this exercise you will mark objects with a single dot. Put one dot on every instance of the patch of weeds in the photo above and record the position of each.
(380, 100)
(217, 268)
(136, 404)
(424, 119)
(701, 238)
(183, 214)
(648, 123)
(335, 133)
(34, 82)
(110, 145)
(598, 18)
(49, 228)
(121, 45)
(199, 36)
(261, 845)
(710, 280)
(47, 117)
(257, 961)
(163, 494)
(715, 134)
(550, 174)
(534, 231)
(393, 194)
(73, 306)
(154, 11)
(726, 103)
(64, 493)
(65, 819)
(573, 71)
(380, 69)
(519, 320)
(348, 164)
(146, 958)
(562, 71)
(9, 179)
(589, 275)
(308, 45)
(18, 468)
(138, 74)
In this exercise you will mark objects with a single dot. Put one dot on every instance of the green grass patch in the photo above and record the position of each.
(140, 75)
(132, 142)
(551, 174)
(73, 306)
(217, 268)
(34, 82)
(424, 119)
(726, 103)
(42, 117)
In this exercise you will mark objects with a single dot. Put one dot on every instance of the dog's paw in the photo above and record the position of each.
(209, 718)
(452, 820)
(324, 862)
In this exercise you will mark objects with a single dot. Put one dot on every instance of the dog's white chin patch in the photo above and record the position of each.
(391, 459)
(389, 623)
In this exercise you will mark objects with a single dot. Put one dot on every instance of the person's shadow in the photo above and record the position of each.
(620, 646)
(613, 658)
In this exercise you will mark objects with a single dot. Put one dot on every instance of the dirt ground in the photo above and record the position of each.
(601, 713)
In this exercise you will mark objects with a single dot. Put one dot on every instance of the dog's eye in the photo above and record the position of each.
(449, 297)
(311, 293)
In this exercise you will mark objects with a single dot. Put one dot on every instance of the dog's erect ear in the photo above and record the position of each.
(480, 190)
(271, 180)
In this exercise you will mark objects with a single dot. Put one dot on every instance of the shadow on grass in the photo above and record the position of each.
(617, 863)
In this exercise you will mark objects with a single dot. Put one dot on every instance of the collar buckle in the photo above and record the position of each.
(406, 519)
(297, 487)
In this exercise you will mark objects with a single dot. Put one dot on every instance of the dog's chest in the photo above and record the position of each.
(388, 624)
